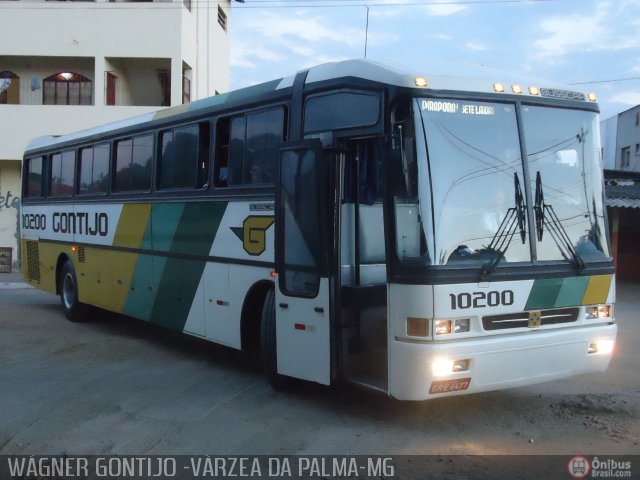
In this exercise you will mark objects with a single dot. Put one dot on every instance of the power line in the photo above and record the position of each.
(269, 4)
(606, 81)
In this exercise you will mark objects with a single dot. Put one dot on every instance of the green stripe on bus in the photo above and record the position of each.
(141, 292)
(194, 235)
(544, 293)
(571, 292)
(568, 292)
(165, 218)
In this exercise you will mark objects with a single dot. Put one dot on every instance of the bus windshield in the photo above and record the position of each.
(474, 207)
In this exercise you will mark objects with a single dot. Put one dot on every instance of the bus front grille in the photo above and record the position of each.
(521, 319)
(33, 260)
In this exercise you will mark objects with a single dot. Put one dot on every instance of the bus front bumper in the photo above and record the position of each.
(495, 362)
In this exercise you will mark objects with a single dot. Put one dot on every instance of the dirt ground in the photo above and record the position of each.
(115, 385)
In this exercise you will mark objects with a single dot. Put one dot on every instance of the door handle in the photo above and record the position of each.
(283, 305)
(318, 310)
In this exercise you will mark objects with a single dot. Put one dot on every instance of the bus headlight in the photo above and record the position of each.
(461, 325)
(441, 327)
(597, 311)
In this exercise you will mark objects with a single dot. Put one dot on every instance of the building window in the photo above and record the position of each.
(184, 160)
(62, 174)
(247, 149)
(186, 90)
(133, 164)
(94, 170)
(222, 18)
(111, 88)
(165, 85)
(9, 88)
(67, 89)
(625, 157)
(637, 149)
(637, 118)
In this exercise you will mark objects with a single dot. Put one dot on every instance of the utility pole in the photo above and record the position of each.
(366, 32)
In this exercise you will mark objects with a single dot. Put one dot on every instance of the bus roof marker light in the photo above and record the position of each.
(516, 89)
(498, 87)
(592, 97)
(534, 90)
(421, 82)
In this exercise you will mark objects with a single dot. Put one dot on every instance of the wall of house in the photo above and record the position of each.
(629, 136)
(608, 134)
(9, 206)
(628, 261)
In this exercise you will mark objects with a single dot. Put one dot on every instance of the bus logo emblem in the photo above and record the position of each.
(535, 319)
(253, 233)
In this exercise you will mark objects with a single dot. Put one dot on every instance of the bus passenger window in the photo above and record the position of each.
(264, 136)
(236, 150)
(94, 170)
(221, 170)
(33, 184)
(247, 148)
(133, 164)
(184, 158)
(62, 174)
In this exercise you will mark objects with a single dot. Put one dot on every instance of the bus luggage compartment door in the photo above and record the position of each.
(303, 225)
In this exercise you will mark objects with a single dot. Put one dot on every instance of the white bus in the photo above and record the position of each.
(423, 236)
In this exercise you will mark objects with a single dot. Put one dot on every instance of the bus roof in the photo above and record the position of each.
(359, 69)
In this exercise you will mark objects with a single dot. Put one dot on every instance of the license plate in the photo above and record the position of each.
(447, 386)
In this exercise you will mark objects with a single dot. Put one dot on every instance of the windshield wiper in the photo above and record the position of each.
(546, 215)
(513, 220)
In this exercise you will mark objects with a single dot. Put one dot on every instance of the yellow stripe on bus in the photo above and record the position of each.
(132, 225)
(597, 289)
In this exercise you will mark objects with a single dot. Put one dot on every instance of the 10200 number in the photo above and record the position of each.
(493, 298)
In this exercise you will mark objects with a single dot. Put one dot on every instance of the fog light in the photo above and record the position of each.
(441, 327)
(597, 311)
(602, 346)
(461, 325)
(442, 366)
(461, 365)
(417, 327)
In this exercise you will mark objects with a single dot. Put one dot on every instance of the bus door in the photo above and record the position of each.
(304, 227)
(363, 273)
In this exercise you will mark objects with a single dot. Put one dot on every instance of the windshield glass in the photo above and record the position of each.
(471, 204)
(477, 182)
(565, 172)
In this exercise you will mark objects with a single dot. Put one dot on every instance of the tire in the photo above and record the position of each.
(268, 344)
(73, 309)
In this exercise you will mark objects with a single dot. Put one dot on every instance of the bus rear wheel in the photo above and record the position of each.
(268, 344)
(73, 309)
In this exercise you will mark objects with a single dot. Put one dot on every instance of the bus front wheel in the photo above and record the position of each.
(73, 309)
(268, 343)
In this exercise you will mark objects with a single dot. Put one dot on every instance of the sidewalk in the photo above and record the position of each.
(12, 280)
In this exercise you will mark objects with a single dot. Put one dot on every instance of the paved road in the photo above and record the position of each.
(115, 385)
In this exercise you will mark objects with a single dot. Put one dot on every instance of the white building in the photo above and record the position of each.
(68, 66)
(621, 141)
